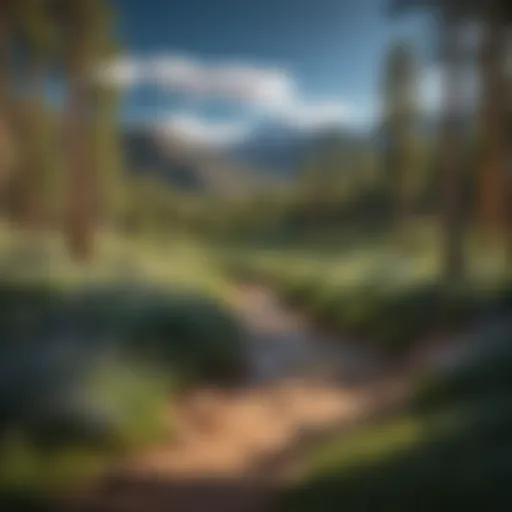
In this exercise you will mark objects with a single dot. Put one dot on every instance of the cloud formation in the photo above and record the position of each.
(249, 84)
(269, 93)
(432, 85)
(121, 73)
(192, 131)
(315, 116)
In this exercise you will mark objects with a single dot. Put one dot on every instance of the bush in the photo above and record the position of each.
(327, 304)
(485, 372)
(451, 450)
(28, 310)
(188, 333)
(96, 371)
(62, 421)
(298, 288)
(387, 307)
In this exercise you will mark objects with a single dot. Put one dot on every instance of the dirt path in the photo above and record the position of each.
(230, 446)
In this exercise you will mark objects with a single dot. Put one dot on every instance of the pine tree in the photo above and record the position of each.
(36, 36)
(84, 22)
(399, 127)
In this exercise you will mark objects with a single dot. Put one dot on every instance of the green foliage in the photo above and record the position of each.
(399, 127)
(65, 415)
(36, 26)
(377, 296)
(485, 373)
(452, 450)
(186, 331)
(87, 373)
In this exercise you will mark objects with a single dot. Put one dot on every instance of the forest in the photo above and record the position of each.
(187, 329)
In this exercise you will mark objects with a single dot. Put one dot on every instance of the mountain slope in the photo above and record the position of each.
(190, 168)
(284, 149)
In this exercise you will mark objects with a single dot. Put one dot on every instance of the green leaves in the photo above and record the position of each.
(36, 25)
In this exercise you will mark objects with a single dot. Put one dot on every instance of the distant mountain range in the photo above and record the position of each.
(147, 152)
(144, 154)
(273, 155)
(284, 149)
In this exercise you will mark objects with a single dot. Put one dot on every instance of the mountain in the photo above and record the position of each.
(144, 154)
(190, 168)
(273, 154)
(283, 149)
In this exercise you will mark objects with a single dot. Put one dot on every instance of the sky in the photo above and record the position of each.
(214, 70)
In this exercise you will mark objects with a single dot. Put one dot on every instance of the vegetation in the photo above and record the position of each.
(112, 301)
(386, 299)
(451, 449)
(91, 361)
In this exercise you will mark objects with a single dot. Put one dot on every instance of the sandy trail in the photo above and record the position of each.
(226, 442)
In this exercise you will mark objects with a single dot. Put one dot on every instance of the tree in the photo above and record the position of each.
(451, 14)
(399, 126)
(508, 141)
(494, 183)
(36, 36)
(6, 139)
(451, 152)
(107, 147)
(84, 22)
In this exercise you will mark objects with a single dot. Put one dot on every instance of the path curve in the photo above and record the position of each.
(227, 444)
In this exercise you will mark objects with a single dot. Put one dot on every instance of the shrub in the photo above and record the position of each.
(28, 309)
(186, 332)
(96, 372)
(451, 450)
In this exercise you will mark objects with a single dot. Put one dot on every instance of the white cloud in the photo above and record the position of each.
(120, 73)
(175, 73)
(262, 87)
(431, 88)
(270, 93)
(191, 131)
(315, 116)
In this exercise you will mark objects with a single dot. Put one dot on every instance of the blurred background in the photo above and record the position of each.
(242, 240)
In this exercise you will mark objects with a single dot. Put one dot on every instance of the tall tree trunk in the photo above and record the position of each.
(508, 144)
(493, 202)
(79, 228)
(6, 150)
(31, 167)
(453, 218)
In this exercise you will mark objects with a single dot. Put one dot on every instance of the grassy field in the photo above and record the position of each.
(174, 261)
(450, 448)
(377, 291)
(91, 356)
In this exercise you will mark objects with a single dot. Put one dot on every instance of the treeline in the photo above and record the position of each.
(59, 155)
(487, 164)
(61, 158)
(457, 170)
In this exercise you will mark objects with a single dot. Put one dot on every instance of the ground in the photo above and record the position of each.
(232, 448)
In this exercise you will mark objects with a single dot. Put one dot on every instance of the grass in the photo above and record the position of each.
(373, 291)
(176, 261)
(91, 357)
(149, 317)
(450, 449)
(368, 446)
(58, 432)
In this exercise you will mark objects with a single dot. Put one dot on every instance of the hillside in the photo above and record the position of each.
(284, 149)
(191, 169)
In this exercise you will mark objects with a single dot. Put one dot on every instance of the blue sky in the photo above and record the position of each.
(223, 66)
